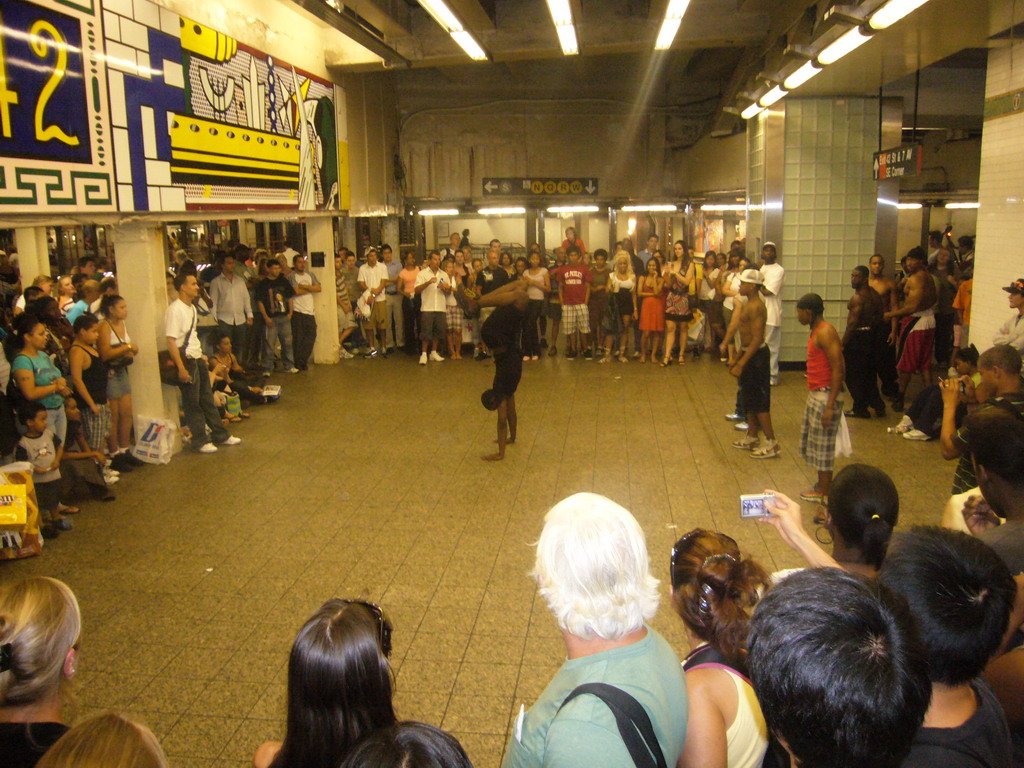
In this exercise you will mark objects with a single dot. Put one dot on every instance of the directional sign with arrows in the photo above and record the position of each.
(540, 187)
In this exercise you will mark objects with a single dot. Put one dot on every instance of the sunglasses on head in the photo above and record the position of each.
(383, 625)
(684, 543)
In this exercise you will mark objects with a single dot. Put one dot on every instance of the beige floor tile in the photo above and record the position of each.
(478, 714)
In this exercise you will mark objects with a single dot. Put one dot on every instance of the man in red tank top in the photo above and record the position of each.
(824, 410)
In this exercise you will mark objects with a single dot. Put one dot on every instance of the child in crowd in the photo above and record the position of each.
(453, 312)
(81, 463)
(43, 450)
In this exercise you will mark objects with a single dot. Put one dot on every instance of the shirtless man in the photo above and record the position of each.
(501, 332)
(917, 324)
(865, 310)
(753, 368)
(885, 331)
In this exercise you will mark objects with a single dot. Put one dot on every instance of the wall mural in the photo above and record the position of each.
(181, 116)
(55, 146)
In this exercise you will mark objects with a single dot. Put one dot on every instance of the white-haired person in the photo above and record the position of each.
(592, 569)
(39, 629)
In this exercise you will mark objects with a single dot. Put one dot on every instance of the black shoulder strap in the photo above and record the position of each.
(1005, 405)
(634, 725)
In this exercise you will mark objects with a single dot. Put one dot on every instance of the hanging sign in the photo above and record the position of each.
(898, 162)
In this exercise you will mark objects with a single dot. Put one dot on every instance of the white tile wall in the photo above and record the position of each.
(999, 253)
(829, 206)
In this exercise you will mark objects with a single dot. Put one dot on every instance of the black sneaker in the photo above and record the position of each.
(588, 355)
(121, 463)
(134, 461)
(571, 355)
(897, 404)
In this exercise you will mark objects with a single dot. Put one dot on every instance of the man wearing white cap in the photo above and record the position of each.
(753, 367)
(774, 277)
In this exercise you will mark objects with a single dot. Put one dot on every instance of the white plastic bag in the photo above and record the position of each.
(844, 446)
(154, 440)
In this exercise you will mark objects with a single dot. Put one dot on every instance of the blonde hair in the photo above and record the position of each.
(105, 741)
(620, 257)
(40, 620)
(260, 253)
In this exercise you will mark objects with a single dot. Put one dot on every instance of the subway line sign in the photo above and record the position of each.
(898, 162)
(540, 187)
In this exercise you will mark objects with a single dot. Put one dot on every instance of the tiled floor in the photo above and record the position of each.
(365, 480)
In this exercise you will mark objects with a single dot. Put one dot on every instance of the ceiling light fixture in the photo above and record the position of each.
(842, 45)
(507, 211)
(892, 12)
(448, 21)
(753, 110)
(561, 15)
(801, 76)
(439, 212)
(573, 209)
(909, 206)
(723, 207)
(772, 96)
(957, 206)
(670, 26)
(650, 208)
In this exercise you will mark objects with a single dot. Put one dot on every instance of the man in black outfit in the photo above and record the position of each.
(501, 332)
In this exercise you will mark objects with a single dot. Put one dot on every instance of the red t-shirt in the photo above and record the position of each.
(574, 279)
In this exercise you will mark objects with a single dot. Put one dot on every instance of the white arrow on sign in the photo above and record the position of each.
(590, 187)
(489, 187)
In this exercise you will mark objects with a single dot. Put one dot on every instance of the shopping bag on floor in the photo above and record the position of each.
(154, 440)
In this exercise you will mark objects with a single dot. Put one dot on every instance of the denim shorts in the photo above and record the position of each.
(118, 384)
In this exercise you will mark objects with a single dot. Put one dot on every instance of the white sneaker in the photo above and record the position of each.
(293, 370)
(345, 354)
(436, 357)
(915, 434)
(110, 480)
(208, 448)
(423, 358)
(232, 441)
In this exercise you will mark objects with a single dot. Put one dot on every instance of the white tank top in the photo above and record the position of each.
(747, 737)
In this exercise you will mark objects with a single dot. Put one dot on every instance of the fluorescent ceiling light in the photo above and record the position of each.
(567, 39)
(500, 211)
(892, 12)
(469, 44)
(656, 207)
(909, 206)
(753, 110)
(723, 207)
(801, 76)
(962, 205)
(849, 41)
(771, 97)
(442, 14)
(573, 209)
(561, 12)
(439, 212)
(670, 26)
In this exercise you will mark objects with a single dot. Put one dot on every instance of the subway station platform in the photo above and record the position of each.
(366, 481)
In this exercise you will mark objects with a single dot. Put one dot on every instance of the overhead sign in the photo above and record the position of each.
(898, 162)
(540, 187)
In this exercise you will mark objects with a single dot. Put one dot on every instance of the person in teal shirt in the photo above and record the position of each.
(593, 571)
(35, 375)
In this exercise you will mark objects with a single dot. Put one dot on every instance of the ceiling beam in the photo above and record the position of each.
(349, 27)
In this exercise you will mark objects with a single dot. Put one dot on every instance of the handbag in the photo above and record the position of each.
(122, 362)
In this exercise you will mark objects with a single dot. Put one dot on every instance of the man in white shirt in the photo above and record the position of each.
(433, 286)
(396, 317)
(232, 306)
(1012, 331)
(44, 283)
(373, 279)
(305, 284)
(646, 253)
(181, 324)
(774, 277)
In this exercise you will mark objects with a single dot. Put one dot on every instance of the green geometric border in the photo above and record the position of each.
(95, 194)
(87, 6)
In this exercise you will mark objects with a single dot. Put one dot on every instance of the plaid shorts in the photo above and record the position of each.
(96, 427)
(817, 444)
(575, 317)
(454, 314)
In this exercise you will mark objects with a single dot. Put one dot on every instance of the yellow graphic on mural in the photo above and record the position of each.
(200, 39)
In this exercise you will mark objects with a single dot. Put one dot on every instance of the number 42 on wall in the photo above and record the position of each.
(43, 37)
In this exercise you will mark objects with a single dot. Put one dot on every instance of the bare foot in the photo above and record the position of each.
(509, 442)
(492, 457)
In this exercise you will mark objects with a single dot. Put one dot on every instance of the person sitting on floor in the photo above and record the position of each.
(923, 419)
(82, 464)
(40, 626)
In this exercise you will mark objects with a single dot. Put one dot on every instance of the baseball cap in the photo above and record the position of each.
(770, 244)
(1017, 287)
(813, 302)
(752, 276)
(368, 251)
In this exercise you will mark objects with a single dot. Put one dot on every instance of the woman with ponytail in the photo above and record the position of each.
(714, 591)
(864, 507)
(39, 630)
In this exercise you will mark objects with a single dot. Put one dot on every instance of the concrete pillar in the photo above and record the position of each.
(320, 239)
(33, 254)
(247, 232)
(141, 271)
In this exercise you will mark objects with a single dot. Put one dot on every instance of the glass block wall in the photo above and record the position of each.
(829, 206)
(755, 182)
